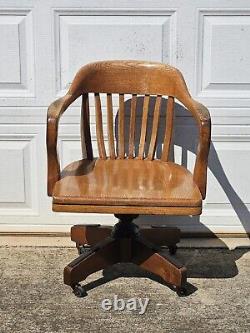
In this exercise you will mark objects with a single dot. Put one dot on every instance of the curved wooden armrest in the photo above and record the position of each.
(202, 116)
(55, 111)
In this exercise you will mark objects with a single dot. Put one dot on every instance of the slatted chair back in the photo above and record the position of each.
(112, 79)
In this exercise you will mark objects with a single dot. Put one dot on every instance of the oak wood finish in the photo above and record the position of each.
(143, 126)
(127, 210)
(133, 77)
(127, 182)
(151, 150)
(110, 126)
(97, 258)
(99, 127)
(124, 244)
(121, 127)
(159, 262)
(132, 127)
(169, 127)
(90, 235)
(123, 181)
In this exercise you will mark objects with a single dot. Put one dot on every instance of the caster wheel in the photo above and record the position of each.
(172, 249)
(83, 249)
(79, 290)
(181, 291)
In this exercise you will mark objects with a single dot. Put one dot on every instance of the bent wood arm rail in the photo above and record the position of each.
(202, 116)
(55, 110)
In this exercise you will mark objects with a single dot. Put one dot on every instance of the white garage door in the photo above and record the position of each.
(43, 43)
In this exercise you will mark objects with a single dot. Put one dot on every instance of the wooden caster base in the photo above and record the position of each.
(100, 247)
(86, 236)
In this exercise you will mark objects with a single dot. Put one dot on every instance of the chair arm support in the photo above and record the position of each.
(202, 116)
(55, 110)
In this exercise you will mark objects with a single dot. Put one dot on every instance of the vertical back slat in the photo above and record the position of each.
(132, 127)
(152, 145)
(143, 126)
(85, 128)
(121, 139)
(168, 129)
(110, 126)
(99, 127)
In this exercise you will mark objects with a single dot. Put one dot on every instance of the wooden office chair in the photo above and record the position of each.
(130, 183)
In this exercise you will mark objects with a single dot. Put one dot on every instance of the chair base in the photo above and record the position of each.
(100, 247)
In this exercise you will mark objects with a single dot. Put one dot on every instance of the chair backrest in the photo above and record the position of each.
(144, 79)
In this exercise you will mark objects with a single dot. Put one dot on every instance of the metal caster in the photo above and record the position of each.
(172, 249)
(79, 291)
(181, 291)
(83, 249)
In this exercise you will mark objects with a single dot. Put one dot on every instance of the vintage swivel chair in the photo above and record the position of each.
(126, 182)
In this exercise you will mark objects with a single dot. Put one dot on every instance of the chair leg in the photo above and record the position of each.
(85, 235)
(98, 257)
(125, 243)
(162, 236)
(157, 261)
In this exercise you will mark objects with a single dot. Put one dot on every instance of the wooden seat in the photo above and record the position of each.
(128, 182)
(127, 178)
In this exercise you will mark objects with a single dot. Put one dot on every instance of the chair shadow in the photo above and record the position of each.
(130, 270)
(201, 263)
(187, 141)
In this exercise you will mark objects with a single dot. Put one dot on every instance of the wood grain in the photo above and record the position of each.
(144, 126)
(152, 145)
(136, 78)
(145, 210)
(121, 127)
(168, 130)
(111, 139)
(132, 127)
(99, 127)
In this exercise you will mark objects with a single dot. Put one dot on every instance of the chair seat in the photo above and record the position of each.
(126, 182)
